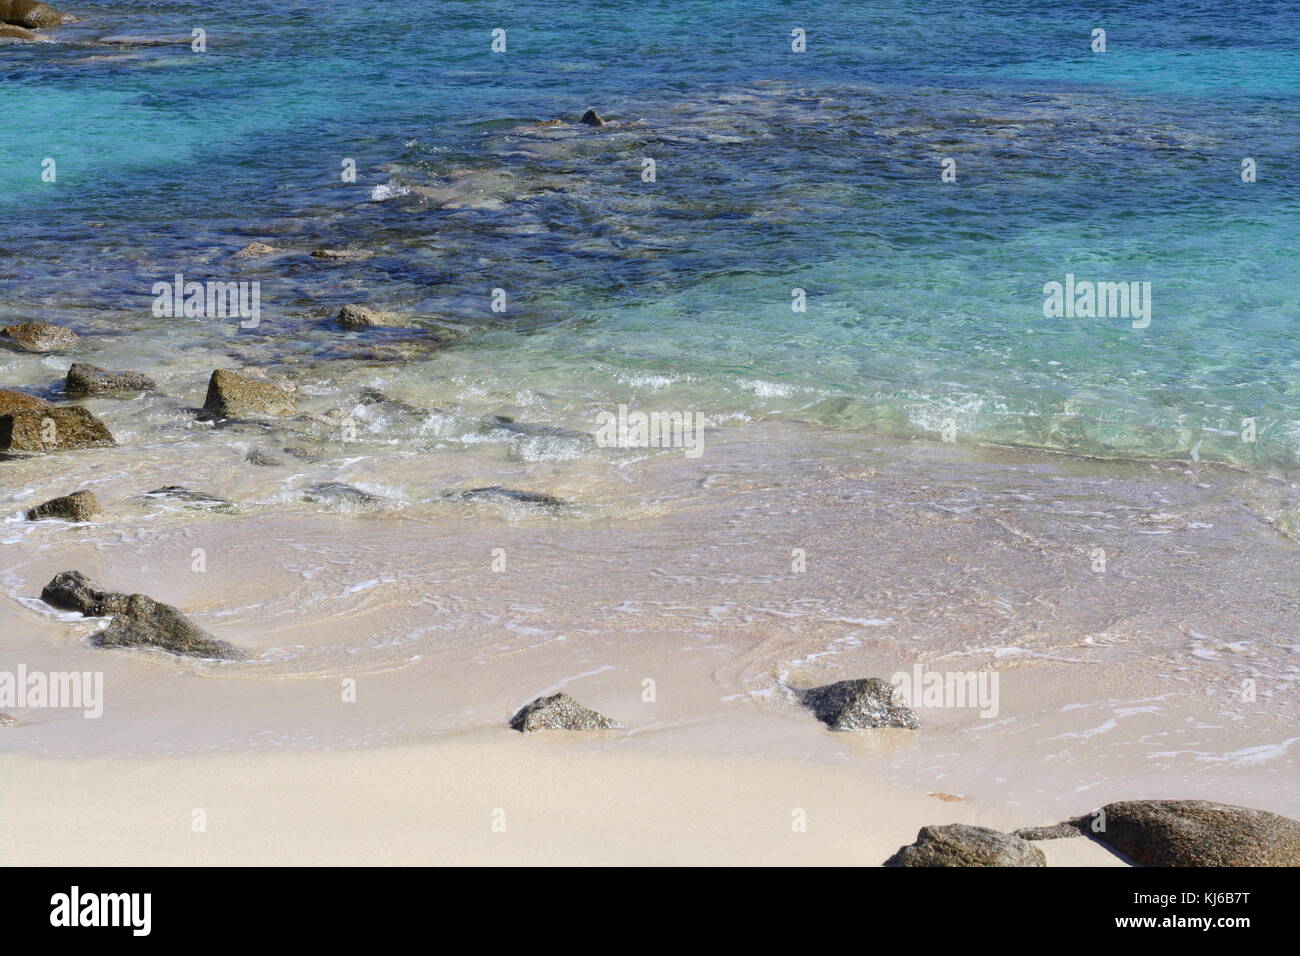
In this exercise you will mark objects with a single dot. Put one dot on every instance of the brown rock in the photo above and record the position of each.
(8, 32)
(359, 317)
(41, 336)
(78, 506)
(1196, 833)
(73, 591)
(254, 249)
(31, 14)
(52, 429)
(961, 845)
(11, 400)
(84, 379)
(231, 395)
(145, 622)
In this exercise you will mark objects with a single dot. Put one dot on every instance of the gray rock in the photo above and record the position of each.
(254, 249)
(41, 336)
(1059, 831)
(496, 492)
(958, 844)
(84, 379)
(559, 712)
(342, 255)
(52, 429)
(858, 705)
(591, 118)
(258, 457)
(508, 424)
(338, 493)
(190, 499)
(355, 317)
(73, 591)
(1197, 833)
(231, 395)
(31, 14)
(78, 506)
(145, 622)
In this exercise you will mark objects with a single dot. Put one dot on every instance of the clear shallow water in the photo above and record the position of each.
(775, 170)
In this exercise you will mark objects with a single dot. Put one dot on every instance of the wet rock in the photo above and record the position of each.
(859, 704)
(73, 591)
(1197, 833)
(31, 14)
(505, 423)
(342, 255)
(961, 845)
(305, 454)
(378, 397)
(190, 499)
(496, 492)
(591, 118)
(41, 336)
(231, 395)
(1059, 831)
(78, 506)
(84, 379)
(255, 249)
(134, 39)
(145, 622)
(20, 34)
(354, 317)
(7, 720)
(52, 429)
(338, 493)
(11, 400)
(258, 457)
(559, 712)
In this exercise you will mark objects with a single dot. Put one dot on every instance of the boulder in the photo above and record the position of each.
(959, 844)
(84, 379)
(78, 506)
(859, 704)
(1196, 833)
(145, 622)
(496, 492)
(355, 317)
(20, 34)
(559, 712)
(591, 118)
(41, 336)
(52, 429)
(11, 400)
(73, 591)
(231, 395)
(31, 14)
(255, 249)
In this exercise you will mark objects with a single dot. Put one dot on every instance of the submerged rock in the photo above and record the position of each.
(559, 712)
(145, 622)
(342, 255)
(338, 493)
(958, 844)
(41, 336)
(191, 499)
(354, 317)
(73, 591)
(508, 424)
(496, 492)
(258, 457)
(231, 395)
(254, 249)
(12, 400)
(591, 118)
(1196, 833)
(85, 379)
(858, 705)
(31, 14)
(8, 32)
(78, 506)
(52, 429)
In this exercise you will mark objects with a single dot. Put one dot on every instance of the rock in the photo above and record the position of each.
(41, 336)
(136, 39)
(591, 118)
(6, 720)
(52, 429)
(1060, 831)
(78, 506)
(258, 457)
(559, 712)
(73, 591)
(377, 397)
(532, 431)
(342, 255)
(1197, 833)
(859, 704)
(508, 494)
(84, 379)
(18, 33)
(337, 493)
(30, 14)
(254, 249)
(11, 400)
(958, 844)
(145, 622)
(304, 454)
(231, 395)
(191, 499)
(355, 317)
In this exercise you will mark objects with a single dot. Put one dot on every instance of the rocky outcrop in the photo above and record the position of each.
(559, 712)
(84, 379)
(31, 14)
(858, 705)
(138, 620)
(52, 429)
(78, 506)
(41, 336)
(959, 844)
(1196, 833)
(591, 118)
(497, 493)
(11, 400)
(73, 591)
(255, 249)
(232, 395)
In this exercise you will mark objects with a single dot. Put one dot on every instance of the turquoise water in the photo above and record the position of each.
(775, 170)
